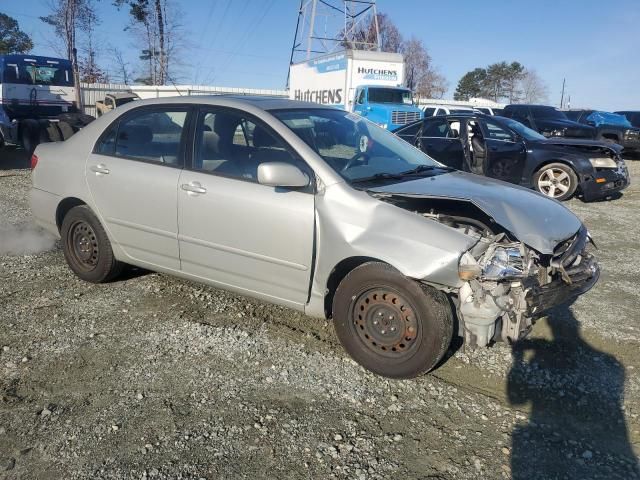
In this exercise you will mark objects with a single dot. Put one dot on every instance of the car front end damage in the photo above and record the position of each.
(508, 285)
(508, 277)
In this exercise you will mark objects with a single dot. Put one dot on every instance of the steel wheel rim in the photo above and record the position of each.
(84, 245)
(385, 323)
(554, 182)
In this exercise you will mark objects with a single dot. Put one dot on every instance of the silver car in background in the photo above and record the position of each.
(316, 209)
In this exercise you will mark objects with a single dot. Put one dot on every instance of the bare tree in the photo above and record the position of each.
(154, 23)
(120, 67)
(90, 71)
(534, 89)
(420, 74)
(364, 35)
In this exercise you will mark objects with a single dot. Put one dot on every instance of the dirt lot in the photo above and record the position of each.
(153, 377)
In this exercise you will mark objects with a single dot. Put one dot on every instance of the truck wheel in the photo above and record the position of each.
(29, 136)
(86, 247)
(66, 131)
(390, 324)
(556, 180)
(53, 132)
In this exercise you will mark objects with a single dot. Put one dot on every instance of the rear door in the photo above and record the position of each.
(506, 154)
(440, 141)
(234, 231)
(133, 175)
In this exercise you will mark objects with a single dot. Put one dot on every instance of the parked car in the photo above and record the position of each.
(505, 149)
(609, 127)
(316, 209)
(549, 121)
(434, 110)
(632, 116)
(489, 110)
(113, 100)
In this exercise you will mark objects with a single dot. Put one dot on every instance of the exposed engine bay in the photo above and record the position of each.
(505, 284)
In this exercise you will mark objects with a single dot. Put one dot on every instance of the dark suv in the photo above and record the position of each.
(609, 127)
(549, 121)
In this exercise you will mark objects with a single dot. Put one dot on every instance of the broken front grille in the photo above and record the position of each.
(400, 118)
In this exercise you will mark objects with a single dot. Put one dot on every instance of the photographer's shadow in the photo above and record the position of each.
(576, 427)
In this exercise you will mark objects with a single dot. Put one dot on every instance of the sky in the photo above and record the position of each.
(594, 45)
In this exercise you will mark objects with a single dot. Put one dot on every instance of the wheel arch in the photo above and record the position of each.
(549, 161)
(338, 273)
(63, 208)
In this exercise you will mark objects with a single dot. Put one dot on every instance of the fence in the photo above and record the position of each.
(91, 92)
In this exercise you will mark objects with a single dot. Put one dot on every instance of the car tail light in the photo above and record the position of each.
(34, 161)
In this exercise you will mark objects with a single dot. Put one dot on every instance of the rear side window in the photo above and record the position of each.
(428, 112)
(153, 136)
(436, 128)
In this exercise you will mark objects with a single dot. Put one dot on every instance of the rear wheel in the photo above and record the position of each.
(390, 324)
(556, 180)
(86, 247)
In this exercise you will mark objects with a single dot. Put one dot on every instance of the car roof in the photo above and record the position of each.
(262, 102)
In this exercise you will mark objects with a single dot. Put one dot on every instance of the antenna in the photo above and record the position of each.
(326, 26)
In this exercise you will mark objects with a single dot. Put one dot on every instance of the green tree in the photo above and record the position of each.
(12, 39)
(471, 85)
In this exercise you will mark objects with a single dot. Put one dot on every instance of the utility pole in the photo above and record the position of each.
(562, 95)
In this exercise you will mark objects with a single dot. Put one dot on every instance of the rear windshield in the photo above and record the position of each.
(49, 72)
(390, 95)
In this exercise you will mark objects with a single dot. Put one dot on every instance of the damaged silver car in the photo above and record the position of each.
(316, 209)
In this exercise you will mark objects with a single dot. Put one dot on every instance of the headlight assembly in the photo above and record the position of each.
(603, 162)
(505, 262)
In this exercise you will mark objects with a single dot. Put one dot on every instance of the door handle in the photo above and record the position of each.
(193, 188)
(100, 169)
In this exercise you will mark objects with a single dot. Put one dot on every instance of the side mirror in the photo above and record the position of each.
(280, 174)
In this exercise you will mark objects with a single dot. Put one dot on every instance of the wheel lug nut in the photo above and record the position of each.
(375, 322)
(383, 332)
(379, 314)
(393, 329)
(390, 317)
(410, 329)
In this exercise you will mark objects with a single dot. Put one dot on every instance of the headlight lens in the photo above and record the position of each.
(603, 162)
(506, 262)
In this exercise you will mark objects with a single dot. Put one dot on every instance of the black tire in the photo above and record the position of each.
(53, 132)
(414, 322)
(556, 180)
(86, 247)
(29, 136)
(66, 130)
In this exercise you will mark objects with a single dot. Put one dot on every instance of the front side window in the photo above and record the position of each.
(496, 132)
(229, 144)
(552, 113)
(428, 112)
(153, 136)
(354, 147)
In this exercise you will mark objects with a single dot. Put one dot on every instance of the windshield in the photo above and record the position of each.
(49, 72)
(548, 112)
(606, 118)
(522, 130)
(390, 95)
(354, 147)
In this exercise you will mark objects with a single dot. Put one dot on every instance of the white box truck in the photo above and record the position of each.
(365, 82)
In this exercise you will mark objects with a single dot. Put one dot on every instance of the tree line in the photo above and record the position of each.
(158, 36)
(502, 82)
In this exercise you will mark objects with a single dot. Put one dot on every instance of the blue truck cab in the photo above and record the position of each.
(389, 107)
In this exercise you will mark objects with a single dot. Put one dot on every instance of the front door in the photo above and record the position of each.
(505, 154)
(133, 178)
(234, 231)
(440, 140)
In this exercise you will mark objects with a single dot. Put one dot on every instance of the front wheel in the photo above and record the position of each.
(389, 324)
(86, 246)
(556, 180)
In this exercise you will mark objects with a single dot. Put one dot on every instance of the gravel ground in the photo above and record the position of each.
(154, 377)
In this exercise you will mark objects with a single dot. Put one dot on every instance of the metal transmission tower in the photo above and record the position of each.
(326, 26)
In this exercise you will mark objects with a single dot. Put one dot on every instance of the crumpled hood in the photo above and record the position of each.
(538, 221)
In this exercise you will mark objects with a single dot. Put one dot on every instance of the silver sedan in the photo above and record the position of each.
(316, 209)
